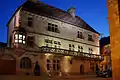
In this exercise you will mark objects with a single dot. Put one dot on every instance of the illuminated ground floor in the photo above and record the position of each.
(30, 62)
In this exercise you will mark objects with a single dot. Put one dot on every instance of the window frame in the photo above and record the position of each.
(30, 21)
(18, 39)
(25, 63)
(53, 28)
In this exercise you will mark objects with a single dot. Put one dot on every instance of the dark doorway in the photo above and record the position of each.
(37, 69)
(97, 69)
(81, 69)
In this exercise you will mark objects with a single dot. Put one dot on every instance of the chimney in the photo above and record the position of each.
(35, 1)
(72, 11)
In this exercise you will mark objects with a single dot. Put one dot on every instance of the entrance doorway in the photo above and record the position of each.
(81, 69)
(53, 66)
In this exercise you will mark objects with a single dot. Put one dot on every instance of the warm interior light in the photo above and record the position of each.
(23, 42)
(23, 37)
(20, 36)
(16, 36)
(20, 41)
(47, 54)
(16, 41)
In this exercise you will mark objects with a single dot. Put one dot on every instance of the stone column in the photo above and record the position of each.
(114, 24)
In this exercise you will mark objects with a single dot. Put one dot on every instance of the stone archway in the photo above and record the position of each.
(81, 69)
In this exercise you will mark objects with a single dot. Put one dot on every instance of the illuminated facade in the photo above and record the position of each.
(106, 52)
(114, 24)
(55, 40)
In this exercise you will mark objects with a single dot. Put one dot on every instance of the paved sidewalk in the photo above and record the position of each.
(83, 77)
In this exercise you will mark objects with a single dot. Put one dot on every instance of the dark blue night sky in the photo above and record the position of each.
(94, 12)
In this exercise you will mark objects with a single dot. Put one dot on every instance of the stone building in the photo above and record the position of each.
(106, 52)
(45, 39)
(114, 24)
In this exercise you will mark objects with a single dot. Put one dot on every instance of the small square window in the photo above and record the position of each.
(20, 36)
(73, 46)
(23, 42)
(20, 41)
(16, 36)
(55, 25)
(23, 37)
(55, 46)
(59, 43)
(69, 45)
(55, 42)
(16, 41)
(46, 45)
(53, 29)
(49, 23)
(56, 29)
(49, 28)
(48, 60)
(46, 40)
(50, 41)
(52, 24)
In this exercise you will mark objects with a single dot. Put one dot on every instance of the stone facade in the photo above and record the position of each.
(54, 51)
(114, 24)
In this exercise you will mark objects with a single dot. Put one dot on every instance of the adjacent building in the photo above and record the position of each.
(114, 24)
(106, 52)
(45, 39)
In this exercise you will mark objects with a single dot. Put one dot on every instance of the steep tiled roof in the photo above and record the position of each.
(55, 13)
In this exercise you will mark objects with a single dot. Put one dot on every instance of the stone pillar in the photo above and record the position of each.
(114, 24)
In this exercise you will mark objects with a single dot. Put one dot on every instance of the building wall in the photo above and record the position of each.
(67, 35)
(13, 23)
(114, 24)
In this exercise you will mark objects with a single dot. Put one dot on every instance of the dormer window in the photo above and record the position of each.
(90, 38)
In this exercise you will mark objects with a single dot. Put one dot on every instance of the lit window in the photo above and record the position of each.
(20, 41)
(20, 36)
(23, 42)
(16, 41)
(23, 37)
(16, 36)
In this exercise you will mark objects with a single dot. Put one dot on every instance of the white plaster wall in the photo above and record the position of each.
(67, 31)
(14, 22)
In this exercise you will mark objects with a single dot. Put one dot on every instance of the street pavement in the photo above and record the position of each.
(81, 77)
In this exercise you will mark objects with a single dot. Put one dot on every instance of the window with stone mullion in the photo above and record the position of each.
(19, 38)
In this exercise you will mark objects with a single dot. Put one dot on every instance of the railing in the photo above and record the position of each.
(69, 53)
(61, 52)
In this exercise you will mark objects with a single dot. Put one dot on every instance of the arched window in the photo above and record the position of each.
(25, 63)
